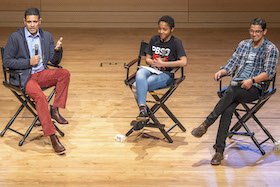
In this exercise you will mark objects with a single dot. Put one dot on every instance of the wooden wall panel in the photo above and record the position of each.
(11, 16)
(142, 13)
(20, 5)
(115, 5)
(232, 17)
(234, 5)
(113, 17)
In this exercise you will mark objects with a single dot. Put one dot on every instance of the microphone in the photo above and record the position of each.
(36, 48)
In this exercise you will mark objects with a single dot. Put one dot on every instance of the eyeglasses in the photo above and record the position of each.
(251, 31)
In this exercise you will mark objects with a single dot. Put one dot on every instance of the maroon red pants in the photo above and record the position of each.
(59, 78)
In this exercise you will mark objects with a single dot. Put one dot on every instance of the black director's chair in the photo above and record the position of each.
(159, 99)
(25, 100)
(249, 112)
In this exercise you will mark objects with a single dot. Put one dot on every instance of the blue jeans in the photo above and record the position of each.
(147, 81)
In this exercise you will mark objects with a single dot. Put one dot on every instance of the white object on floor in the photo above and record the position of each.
(120, 138)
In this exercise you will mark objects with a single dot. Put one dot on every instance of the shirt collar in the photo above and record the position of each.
(263, 43)
(29, 35)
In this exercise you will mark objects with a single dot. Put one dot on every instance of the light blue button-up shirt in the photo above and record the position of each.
(32, 40)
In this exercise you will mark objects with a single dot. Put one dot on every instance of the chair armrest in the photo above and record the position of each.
(129, 80)
(267, 85)
(174, 70)
(54, 65)
(221, 83)
(129, 77)
(131, 63)
(178, 79)
(14, 73)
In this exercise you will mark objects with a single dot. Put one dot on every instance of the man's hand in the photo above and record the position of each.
(58, 44)
(247, 84)
(34, 60)
(219, 74)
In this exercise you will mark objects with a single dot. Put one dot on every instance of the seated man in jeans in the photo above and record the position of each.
(165, 52)
(28, 50)
(255, 61)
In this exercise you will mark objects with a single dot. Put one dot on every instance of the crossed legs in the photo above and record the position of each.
(225, 107)
(47, 78)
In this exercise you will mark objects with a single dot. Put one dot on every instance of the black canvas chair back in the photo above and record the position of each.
(26, 102)
(159, 98)
(3, 68)
(130, 77)
(246, 111)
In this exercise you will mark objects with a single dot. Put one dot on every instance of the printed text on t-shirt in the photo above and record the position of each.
(161, 51)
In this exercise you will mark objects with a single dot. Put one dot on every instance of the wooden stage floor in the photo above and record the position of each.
(100, 106)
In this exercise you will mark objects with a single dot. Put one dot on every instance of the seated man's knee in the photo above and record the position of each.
(229, 111)
(65, 73)
(229, 92)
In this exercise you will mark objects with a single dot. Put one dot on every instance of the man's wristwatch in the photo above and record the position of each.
(253, 80)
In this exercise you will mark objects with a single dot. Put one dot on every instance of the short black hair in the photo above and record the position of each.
(169, 20)
(32, 11)
(259, 21)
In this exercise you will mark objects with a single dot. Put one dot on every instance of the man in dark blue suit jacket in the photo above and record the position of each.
(28, 51)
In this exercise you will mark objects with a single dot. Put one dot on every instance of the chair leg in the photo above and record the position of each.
(28, 131)
(167, 111)
(242, 123)
(166, 135)
(158, 125)
(171, 115)
(252, 135)
(12, 120)
(159, 103)
(30, 105)
(129, 132)
(51, 95)
(58, 130)
(264, 129)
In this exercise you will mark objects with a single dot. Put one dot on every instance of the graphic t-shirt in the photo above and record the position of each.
(171, 50)
(246, 71)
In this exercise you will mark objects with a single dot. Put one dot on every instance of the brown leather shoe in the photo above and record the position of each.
(55, 115)
(217, 158)
(200, 130)
(57, 146)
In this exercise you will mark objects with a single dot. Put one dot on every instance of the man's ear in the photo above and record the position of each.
(265, 31)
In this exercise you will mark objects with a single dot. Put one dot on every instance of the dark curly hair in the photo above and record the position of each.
(169, 20)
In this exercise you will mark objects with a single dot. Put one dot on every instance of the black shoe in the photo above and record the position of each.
(137, 125)
(200, 130)
(143, 116)
(217, 158)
